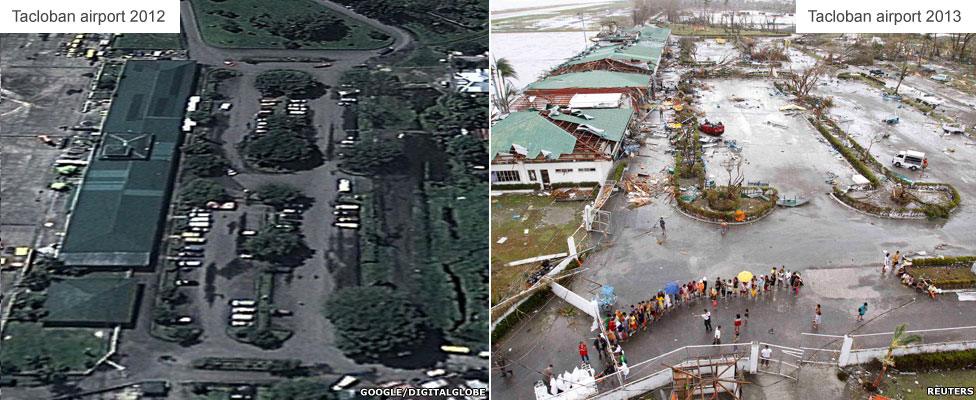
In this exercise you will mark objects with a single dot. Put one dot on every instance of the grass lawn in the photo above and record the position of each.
(904, 387)
(147, 41)
(75, 348)
(548, 223)
(214, 17)
(954, 276)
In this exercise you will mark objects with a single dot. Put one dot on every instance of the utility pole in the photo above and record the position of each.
(586, 41)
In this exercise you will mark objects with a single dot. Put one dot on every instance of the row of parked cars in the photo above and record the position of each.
(346, 213)
(242, 312)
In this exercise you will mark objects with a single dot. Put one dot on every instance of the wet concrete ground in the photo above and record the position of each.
(838, 250)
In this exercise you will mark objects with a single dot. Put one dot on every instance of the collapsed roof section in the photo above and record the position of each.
(559, 134)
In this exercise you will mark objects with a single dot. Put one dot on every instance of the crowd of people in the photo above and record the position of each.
(622, 325)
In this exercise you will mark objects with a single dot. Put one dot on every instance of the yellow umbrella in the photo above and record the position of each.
(744, 276)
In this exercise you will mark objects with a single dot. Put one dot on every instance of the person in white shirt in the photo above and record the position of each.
(707, 316)
(766, 354)
(887, 262)
(718, 335)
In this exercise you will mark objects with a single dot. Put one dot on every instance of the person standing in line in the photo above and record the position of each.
(707, 316)
(796, 284)
(737, 324)
(735, 285)
(895, 259)
(717, 338)
(887, 262)
(704, 286)
(584, 354)
(816, 318)
(863, 309)
(746, 320)
(598, 345)
(782, 275)
(765, 355)
(547, 378)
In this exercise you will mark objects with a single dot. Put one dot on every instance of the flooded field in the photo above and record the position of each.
(530, 59)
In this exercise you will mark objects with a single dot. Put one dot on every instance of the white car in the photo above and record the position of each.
(242, 303)
(231, 172)
(941, 78)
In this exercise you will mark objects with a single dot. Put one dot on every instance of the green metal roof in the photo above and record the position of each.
(648, 49)
(653, 33)
(532, 131)
(592, 80)
(91, 301)
(613, 121)
(641, 52)
(116, 219)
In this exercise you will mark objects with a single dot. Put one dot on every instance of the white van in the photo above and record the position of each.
(347, 206)
(196, 240)
(243, 310)
(200, 224)
(242, 317)
(910, 159)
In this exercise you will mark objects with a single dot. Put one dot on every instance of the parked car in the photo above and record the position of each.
(186, 254)
(241, 323)
(186, 282)
(190, 263)
(941, 78)
(184, 320)
(242, 303)
(877, 72)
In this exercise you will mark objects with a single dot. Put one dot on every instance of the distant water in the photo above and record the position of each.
(532, 53)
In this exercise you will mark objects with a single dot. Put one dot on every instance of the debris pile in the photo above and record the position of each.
(642, 189)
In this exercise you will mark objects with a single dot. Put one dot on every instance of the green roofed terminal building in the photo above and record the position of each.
(567, 128)
(119, 209)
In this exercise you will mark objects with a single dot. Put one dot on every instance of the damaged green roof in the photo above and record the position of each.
(532, 131)
(648, 48)
(613, 121)
(593, 80)
(536, 133)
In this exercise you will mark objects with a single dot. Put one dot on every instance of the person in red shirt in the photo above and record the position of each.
(738, 323)
(584, 355)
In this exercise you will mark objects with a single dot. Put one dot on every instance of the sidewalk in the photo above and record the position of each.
(777, 317)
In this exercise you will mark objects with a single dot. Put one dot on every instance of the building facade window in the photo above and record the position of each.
(532, 177)
(587, 170)
(564, 171)
(505, 176)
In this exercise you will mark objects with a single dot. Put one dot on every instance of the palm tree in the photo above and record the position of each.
(502, 71)
(898, 340)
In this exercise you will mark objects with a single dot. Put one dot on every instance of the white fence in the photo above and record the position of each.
(837, 350)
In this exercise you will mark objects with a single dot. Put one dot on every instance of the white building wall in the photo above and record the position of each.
(579, 171)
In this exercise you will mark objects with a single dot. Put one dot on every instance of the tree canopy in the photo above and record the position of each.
(360, 312)
(305, 389)
(320, 27)
(199, 191)
(271, 244)
(278, 149)
(388, 112)
(287, 82)
(279, 194)
(372, 156)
